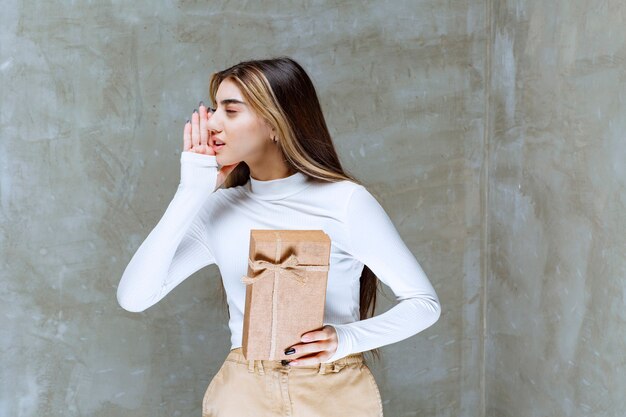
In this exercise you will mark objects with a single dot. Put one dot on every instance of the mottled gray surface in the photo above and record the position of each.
(556, 312)
(492, 133)
(93, 102)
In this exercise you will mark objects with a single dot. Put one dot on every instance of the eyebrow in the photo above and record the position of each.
(231, 100)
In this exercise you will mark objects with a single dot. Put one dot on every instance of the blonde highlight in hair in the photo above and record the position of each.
(280, 92)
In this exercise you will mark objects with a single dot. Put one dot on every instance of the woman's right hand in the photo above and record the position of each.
(198, 139)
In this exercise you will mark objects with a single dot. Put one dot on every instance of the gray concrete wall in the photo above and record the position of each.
(556, 292)
(490, 132)
(93, 101)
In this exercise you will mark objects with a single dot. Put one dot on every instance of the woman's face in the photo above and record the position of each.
(246, 136)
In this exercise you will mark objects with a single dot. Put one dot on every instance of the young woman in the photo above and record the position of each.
(278, 169)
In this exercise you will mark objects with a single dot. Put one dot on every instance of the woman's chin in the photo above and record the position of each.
(221, 160)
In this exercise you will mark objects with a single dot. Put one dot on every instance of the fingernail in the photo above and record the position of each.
(290, 351)
(195, 110)
(187, 121)
(201, 104)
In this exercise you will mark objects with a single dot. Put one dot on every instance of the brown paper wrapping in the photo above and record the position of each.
(285, 290)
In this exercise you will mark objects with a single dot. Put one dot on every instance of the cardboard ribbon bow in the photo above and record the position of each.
(290, 267)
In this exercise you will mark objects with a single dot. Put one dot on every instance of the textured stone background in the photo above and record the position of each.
(492, 133)
(556, 210)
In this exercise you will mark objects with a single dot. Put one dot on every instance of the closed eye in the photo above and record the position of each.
(227, 111)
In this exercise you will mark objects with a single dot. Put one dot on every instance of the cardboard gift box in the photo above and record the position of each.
(285, 290)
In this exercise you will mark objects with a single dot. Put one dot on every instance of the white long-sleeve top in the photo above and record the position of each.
(203, 226)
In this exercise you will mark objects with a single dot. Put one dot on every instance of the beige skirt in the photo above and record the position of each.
(261, 388)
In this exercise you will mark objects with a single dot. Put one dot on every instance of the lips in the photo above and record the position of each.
(218, 144)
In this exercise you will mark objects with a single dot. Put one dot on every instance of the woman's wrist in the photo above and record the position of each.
(198, 171)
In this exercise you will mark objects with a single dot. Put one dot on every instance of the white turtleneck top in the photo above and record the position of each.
(203, 225)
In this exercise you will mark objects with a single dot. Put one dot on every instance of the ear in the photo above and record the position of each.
(272, 131)
(269, 127)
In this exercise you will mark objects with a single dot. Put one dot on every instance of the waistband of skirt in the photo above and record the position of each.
(236, 355)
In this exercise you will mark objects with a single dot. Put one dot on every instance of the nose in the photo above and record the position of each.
(213, 123)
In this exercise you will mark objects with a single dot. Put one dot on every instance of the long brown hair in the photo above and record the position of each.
(282, 94)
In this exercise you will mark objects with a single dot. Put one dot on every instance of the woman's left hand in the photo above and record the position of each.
(323, 342)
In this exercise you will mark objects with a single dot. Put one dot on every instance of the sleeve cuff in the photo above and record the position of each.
(198, 159)
(344, 345)
(198, 171)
